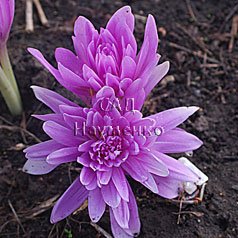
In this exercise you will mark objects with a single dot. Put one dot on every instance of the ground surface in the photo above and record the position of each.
(195, 38)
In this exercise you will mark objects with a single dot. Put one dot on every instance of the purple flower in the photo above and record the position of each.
(6, 17)
(109, 58)
(109, 146)
(8, 85)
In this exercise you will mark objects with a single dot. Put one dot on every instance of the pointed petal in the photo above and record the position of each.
(61, 134)
(38, 55)
(123, 14)
(104, 176)
(84, 159)
(58, 118)
(110, 194)
(168, 188)
(76, 123)
(134, 222)
(42, 149)
(85, 146)
(67, 59)
(63, 155)
(158, 73)
(122, 214)
(149, 47)
(87, 175)
(96, 205)
(177, 170)
(120, 182)
(153, 164)
(117, 231)
(51, 98)
(128, 67)
(176, 141)
(71, 78)
(138, 172)
(38, 167)
(171, 118)
(72, 199)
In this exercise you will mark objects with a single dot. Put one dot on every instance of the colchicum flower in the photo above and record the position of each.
(8, 85)
(108, 146)
(109, 58)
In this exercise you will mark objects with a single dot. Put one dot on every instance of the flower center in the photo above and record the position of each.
(107, 151)
(106, 49)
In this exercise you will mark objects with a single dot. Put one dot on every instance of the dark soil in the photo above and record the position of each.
(204, 75)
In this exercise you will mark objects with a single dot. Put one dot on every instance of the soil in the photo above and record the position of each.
(195, 38)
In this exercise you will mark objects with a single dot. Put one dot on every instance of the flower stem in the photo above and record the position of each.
(9, 94)
(8, 85)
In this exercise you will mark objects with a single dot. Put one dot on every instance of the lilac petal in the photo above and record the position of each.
(72, 199)
(140, 139)
(177, 170)
(51, 98)
(93, 184)
(5, 19)
(61, 134)
(149, 46)
(83, 30)
(139, 97)
(71, 78)
(168, 188)
(63, 155)
(75, 122)
(117, 231)
(153, 164)
(158, 73)
(122, 214)
(84, 159)
(120, 182)
(67, 59)
(37, 54)
(98, 120)
(12, 8)
(38, 167)
(96, 205)
(125, 37)
(143, 122)
(134, 221)
(122, 15)
(110, 194)
(171, 118)
(150, 184)
(125, 83)
(112, 81)
(85, 146)
(105, 92)
(128, 67)
(135, 169)
(88, 74)
(176, 141)
(42, 149)
(58, 118)
(133, 116)
(93, 84)
(138, 172)
(134, 148)
(87, 175)
(76, 111)
(104, 176)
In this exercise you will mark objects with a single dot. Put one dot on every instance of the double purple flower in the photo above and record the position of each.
(109, 58)
(118, 145)
(6, 17)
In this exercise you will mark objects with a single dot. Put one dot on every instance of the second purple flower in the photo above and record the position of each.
(109, 58)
